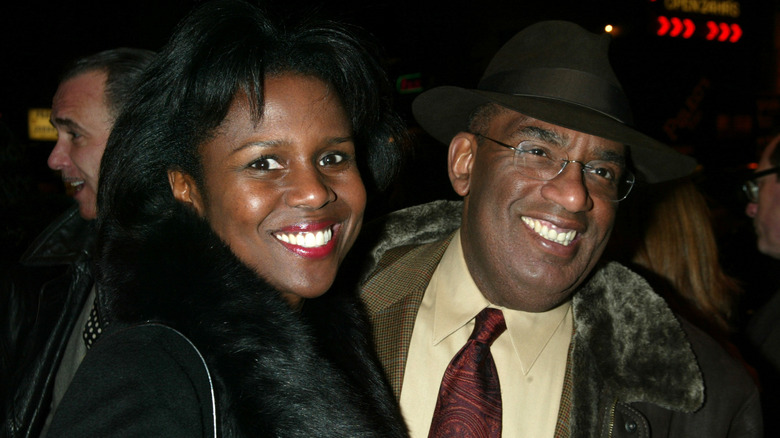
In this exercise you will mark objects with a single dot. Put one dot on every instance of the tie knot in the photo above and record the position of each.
(488, 325)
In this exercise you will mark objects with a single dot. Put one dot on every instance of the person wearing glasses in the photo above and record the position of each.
(763, 330)
(763, 192)
(494, 316)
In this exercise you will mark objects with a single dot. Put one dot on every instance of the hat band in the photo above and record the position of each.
(572, 86)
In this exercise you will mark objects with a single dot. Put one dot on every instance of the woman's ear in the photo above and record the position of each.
(185, 190)
(460, 161)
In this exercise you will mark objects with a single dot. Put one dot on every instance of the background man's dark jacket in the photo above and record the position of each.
(40, 301)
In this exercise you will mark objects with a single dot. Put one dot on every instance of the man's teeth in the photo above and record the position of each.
(564, 238)
(307, 240)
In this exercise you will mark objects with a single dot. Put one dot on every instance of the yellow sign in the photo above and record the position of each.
(724, 8)
(38, 125)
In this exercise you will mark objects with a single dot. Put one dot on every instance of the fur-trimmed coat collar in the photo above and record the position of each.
(628, 345)
(277, 372)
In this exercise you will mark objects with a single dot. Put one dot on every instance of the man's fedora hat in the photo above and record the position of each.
(557, 72)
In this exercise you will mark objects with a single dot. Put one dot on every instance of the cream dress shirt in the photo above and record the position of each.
(530, 356)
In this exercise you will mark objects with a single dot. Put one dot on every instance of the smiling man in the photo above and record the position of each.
(493, 317)
(48, 299)
(81, 115)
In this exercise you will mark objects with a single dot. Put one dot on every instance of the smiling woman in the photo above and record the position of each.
(231, 190)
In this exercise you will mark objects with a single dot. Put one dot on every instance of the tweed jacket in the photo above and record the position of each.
(633, 369)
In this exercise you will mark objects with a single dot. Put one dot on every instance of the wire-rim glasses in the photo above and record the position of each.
(750, 187)
(605, 179)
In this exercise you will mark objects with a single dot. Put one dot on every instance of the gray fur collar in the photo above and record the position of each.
(628, 344)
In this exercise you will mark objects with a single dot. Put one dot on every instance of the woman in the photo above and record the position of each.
(666, 234)
(230, 193)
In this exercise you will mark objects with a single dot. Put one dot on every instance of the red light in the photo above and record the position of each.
(677, 27)
(736, 33)
(663, 25)
(686, 28)
(713, 30)
(689, 28)
(725, 30)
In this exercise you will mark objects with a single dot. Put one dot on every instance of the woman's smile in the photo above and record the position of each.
(310, 240)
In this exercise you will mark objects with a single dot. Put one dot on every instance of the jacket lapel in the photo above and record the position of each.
(394, 294)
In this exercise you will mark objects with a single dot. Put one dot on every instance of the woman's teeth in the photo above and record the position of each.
(306, 239)
(558, 236)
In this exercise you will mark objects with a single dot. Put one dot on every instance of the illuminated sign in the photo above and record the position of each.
(722, 8)
(411, 83)
(723, 31)
(38, 125)
(675, 27)
(686, 28)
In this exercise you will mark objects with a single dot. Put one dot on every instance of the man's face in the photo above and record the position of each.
(766, 212)
(511, 254)
(83, 123)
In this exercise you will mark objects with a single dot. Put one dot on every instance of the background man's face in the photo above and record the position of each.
(83, 123)
(766, 213)
(512, 258)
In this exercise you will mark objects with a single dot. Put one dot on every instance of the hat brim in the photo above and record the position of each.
(444, 111)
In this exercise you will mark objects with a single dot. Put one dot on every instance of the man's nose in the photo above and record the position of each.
(568, 189)
(59, 158)
(751, 209)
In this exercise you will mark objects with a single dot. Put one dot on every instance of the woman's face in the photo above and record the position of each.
(285, 194)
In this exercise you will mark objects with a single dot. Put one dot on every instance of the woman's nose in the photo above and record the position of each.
(308, 188)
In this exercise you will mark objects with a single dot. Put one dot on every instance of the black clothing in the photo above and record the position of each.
(763, 333)
(276, 372)
(41, 299)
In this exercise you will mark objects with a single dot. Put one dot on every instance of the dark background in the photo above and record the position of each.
(717, 101)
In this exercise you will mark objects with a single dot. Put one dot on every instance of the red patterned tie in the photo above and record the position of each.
(469, 403)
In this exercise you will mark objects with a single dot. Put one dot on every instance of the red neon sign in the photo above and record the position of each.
(686, 28)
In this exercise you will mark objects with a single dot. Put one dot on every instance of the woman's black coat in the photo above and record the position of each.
(275, 372)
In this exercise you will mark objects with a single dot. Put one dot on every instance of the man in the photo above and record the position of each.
(48, 299)
(763, 191)
(541, 153)
(763, 331)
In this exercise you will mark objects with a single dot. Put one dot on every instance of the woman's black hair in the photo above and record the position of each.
(220, 49)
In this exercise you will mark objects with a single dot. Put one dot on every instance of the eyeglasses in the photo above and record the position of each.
(750, 187)
(604, 179)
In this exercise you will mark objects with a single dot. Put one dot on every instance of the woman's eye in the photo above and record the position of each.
(332, 159)
(266, 163)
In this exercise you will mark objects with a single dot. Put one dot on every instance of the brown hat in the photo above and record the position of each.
(557, 72)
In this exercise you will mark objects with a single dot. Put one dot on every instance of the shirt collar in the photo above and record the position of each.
(457, 300)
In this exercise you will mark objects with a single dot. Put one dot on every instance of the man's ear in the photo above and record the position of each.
(185, 190)
(463, 149)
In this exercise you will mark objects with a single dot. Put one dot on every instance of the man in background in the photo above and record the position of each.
(763, 330)
(47, 300)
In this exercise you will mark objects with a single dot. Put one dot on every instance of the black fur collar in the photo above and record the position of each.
(307, 374)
